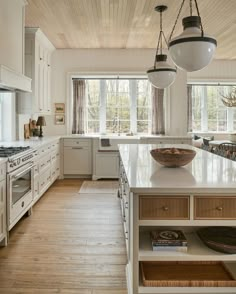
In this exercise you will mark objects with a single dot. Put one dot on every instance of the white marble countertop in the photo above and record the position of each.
(33, 142)
(121, 136)
(208, 173)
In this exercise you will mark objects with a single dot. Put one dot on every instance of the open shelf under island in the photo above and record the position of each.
(200, 194)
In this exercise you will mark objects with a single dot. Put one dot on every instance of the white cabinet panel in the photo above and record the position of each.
(106, 165)
(77, 160)
(37, 67)
(2, 209)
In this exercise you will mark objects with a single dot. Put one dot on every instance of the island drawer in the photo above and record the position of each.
(163, 207)
(215, 207)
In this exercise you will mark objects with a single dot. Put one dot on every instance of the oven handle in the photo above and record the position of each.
(23, 172)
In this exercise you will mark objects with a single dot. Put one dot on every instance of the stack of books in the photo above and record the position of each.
(168, 240)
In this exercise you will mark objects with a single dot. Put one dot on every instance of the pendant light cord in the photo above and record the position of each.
(181, 7)
(159, 43)
(191, 13)
(199, 16)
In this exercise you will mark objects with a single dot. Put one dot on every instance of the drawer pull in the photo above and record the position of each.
(165, 208)
(219, 208)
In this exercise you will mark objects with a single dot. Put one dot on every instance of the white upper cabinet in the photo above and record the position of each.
(38, 51)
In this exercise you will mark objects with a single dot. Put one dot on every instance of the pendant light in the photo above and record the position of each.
(162, 74)
(192, 50)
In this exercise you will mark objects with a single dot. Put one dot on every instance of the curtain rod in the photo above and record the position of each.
(109, 78)
(213, 84)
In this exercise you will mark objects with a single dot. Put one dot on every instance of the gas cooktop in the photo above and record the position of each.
(10, 151)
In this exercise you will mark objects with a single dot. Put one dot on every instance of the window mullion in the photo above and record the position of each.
(133, 106)
(204, 114)
(230, 119)
(103, 92)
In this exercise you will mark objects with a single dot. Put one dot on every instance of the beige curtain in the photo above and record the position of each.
(158, 120)
(78, 115)
(190, 113)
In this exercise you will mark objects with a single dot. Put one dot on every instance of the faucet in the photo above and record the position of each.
(116, 125)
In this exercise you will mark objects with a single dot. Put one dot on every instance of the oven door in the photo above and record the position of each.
(19, 192)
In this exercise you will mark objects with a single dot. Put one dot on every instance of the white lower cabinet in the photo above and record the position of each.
(106, 165)
(77, 157)
(47, 168)
(3, 232)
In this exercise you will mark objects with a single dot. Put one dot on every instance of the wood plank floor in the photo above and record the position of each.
(72, 243)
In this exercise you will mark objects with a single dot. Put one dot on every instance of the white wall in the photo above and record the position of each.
(114, 61)
(11, 34)
(92, 61)
(218, 70)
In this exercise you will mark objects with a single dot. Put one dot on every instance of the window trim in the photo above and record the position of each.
(204, 122)
(100, 76)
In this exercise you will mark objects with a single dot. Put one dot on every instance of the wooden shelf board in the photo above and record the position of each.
(186, 290)
(197, 250)
(186, 223)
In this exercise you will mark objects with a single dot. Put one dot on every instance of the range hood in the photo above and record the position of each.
(11, 80)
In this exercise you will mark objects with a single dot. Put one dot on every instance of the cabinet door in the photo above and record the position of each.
(2, 209)
(107, 165)
(77, 160)
(48, 82)
(40, 80)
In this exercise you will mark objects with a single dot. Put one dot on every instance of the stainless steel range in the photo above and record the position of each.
(20, 168)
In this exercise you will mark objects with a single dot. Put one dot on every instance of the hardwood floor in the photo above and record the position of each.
(72, 243)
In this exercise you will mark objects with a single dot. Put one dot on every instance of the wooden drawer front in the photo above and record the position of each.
(215, 207)
(163, 207)
(77, 142)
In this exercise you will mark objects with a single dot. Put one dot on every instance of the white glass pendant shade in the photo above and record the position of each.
(162, 75)
(191, 50)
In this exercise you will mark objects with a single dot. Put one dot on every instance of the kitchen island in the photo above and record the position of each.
(200, 194)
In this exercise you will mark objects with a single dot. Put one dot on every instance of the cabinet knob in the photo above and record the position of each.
(219, 208)
(165, 208)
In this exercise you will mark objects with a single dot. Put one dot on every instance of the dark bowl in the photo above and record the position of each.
(221, 239)
(173, 157)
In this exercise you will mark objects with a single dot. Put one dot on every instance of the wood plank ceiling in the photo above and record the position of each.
(127, 23)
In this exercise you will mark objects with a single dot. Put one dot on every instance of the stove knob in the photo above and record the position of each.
(14, 163)
(11, 165)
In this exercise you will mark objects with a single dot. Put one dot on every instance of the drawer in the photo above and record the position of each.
(36, 169)
(45, 162)
(215, 207)
(44, 150)
(53, 155)
(77, 142)
(21, 206)
(163, 207)
(55, 145)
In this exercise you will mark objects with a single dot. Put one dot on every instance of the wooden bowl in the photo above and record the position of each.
(173, 157)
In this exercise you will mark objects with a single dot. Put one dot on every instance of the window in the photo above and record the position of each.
(209, 114)
(118, 105)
